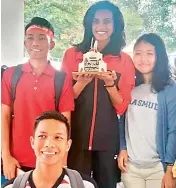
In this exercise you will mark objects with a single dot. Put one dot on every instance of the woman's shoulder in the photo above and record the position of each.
(71, 50)
(72, 53)
(126, 56)
(171, 86)
(126, 59)
(169, 91)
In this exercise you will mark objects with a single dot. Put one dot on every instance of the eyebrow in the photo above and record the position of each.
(39, 34)
(43, 132)
(142, 50)
(42, 34)
(104, 18)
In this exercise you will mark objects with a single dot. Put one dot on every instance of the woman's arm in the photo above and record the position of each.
(120, 93)
(81, 83)
(171, 112)
(170, 157)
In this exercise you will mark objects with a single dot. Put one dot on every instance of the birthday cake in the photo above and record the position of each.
(92, 61)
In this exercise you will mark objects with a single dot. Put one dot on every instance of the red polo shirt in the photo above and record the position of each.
(121, 64)
(34, 95)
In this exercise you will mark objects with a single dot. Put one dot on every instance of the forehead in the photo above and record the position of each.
(36, 32)
(144, 46)
(103, 14)
(51, 126)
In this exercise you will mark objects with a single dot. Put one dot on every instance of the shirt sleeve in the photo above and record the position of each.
(64, 64)
(6, 87)
(171, 112)
(122, 132)
(67, 63)
(126, 84)
(66, 102)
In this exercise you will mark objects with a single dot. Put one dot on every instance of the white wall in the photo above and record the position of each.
(12, 31)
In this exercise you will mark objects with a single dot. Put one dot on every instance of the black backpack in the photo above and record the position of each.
(58, 83)
(3, 68)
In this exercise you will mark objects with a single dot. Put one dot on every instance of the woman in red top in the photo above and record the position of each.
(98, 99)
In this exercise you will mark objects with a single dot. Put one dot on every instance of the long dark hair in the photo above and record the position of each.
(117, 39)
(161, 73)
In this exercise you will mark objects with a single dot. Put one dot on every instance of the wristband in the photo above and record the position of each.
(110, 85)
(169, 164)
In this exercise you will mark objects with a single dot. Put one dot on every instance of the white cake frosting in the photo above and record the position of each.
(92, 61)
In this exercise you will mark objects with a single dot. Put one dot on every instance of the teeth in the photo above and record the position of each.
(101, 32)
(36, 50)
(48, 153)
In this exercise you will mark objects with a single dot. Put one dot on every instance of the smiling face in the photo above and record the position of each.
(102, 26)
(50, 142)
(38, 44)
(144, 57)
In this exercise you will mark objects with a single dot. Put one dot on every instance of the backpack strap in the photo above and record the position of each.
(15, 79)
(58, 85)
(75, 178)
(20, 181)
(3, 68)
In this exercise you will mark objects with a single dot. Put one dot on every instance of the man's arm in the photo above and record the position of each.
(6, 104)
(68, 116)
(66, 101)
(5, 121)
(9, 163)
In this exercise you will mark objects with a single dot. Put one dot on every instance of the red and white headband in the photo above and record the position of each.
(47, 31)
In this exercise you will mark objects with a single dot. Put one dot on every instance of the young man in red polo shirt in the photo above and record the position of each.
(35, 93)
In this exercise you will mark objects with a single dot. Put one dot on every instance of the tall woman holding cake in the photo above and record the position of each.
(99, 97)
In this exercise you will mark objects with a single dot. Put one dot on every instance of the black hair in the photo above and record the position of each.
(161, 73)
(117, 39)
(41, 22)
(53, 115)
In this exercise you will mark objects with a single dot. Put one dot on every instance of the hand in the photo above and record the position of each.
(108, 78)
(122, 160)
(83, 79)
(174, 171)
(168, 180)
(9, 166)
